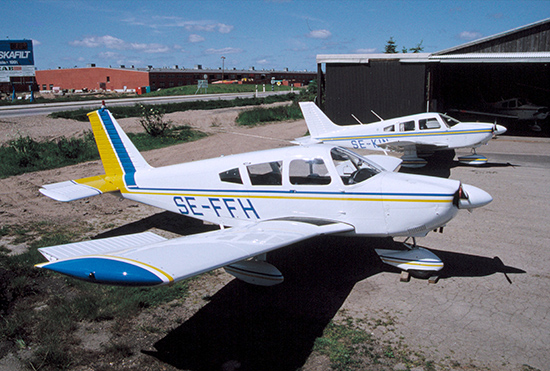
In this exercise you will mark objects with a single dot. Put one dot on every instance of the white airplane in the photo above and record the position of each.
(514, 108)
(270, 199)
(422, 133)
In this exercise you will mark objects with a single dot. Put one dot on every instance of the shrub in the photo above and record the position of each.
(152, 120)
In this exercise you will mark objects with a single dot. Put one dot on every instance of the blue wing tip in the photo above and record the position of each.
(105, 270)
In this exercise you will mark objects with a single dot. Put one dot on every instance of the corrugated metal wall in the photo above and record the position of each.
(390, 88)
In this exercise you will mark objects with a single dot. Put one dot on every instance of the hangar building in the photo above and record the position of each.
(129, 79)
(511, 64)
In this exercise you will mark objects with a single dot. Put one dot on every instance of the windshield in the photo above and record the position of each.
(449, 121)
(351, 167)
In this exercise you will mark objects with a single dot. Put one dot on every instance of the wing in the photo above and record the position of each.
(408, 146)
(147, 259)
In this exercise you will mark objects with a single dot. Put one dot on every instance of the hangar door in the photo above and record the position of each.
(388, 87)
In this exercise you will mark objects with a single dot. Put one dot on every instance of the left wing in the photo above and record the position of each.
(146, 259)
(407, 145)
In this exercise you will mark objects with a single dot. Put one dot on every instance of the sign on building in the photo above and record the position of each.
(16, 59)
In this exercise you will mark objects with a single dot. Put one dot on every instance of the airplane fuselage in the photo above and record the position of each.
(428, 129)
(234, 190)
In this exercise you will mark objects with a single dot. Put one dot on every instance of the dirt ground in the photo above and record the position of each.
(473, 318)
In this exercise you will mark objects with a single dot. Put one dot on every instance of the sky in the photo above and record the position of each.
(264, 34)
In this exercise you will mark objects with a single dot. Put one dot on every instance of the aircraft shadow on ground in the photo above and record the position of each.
(273, 328)
(442, 169)
(247, 327)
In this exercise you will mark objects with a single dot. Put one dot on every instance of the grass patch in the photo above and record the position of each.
(260, 115)
(136, 109)
(350, 346)
(25, 155)
(212, 89)
(42, 310)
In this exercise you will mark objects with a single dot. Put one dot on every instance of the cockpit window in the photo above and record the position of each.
(231, 176)
(308, 171)
(267, 173)
(429, 124)
(449, 121)
(351, 167)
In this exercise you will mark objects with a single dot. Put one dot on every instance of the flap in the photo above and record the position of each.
(166, 261)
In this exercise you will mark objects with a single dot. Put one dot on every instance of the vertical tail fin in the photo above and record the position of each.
(121, 160)
(119, 156)
(317, 122)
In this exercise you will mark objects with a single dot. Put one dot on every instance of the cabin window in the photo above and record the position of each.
(268, 173)
(351, 167)
(308, 172)
(428, 124)
(231, 176)
(406, 126)
(389, 128)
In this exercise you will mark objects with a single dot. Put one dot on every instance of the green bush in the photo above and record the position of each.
(257, 116)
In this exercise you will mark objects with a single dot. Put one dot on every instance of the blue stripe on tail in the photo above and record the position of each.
(118, 146)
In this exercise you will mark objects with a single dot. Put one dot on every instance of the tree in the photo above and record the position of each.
(418, 48)
(391, 46)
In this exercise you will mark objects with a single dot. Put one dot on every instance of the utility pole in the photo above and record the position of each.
(223, 68)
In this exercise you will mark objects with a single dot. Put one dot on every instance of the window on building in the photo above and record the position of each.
(108, 78)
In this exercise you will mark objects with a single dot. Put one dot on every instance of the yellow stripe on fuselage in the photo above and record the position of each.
(396, 136)
(444, 199)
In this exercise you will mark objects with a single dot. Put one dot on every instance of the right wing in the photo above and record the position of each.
(147, 259)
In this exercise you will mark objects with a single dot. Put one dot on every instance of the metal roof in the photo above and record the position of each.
(493, 37)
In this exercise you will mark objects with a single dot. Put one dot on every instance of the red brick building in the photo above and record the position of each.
(130, 79)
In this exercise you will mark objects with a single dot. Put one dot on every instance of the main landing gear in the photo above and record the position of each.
(416, 261)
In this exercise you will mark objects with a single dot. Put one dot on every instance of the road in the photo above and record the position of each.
(47, 108)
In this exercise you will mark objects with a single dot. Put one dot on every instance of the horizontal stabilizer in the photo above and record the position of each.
(72, 190)
(68, 191)
(304, 141)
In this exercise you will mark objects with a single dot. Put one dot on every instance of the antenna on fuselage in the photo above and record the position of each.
(376, 114)
(356, 119)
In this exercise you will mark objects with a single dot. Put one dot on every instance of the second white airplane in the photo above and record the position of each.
(423, 134)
